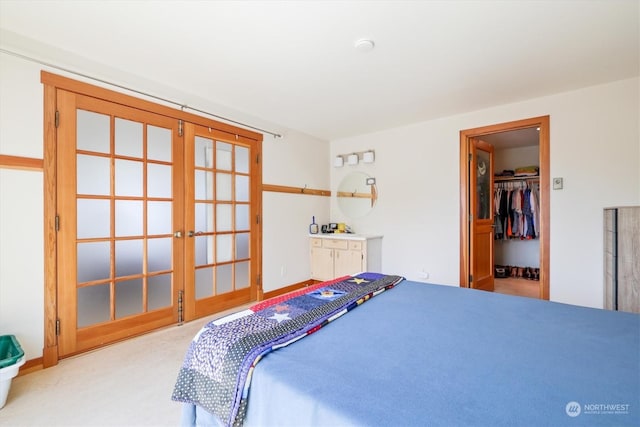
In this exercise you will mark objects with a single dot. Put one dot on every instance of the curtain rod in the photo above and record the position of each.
(181, 105)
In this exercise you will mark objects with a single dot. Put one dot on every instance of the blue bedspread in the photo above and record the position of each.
(216, 373)
(445, 356)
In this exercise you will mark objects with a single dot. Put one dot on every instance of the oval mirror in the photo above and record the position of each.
(357, 194)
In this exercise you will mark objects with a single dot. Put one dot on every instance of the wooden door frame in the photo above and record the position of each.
(465, 136)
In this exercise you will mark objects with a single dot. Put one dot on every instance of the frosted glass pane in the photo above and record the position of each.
(223, 186)
(223, 247)
(201, 217)
(242, 275)
(242, 217)
(159, 292)
(204, 250)
(223, 155)
(204, 185)
(242, 188)
(204, 282)
(159, 181)
(158, 143)
(242, 245)
(94, 261)
(204, 217)
(94, 305)
(203, 152)
(128, 257)
(159, 254)
(128, 298)
(242, 159)
(483, 185)
(128, 138)
(94, 175)
(93, 131)
(128, 178)
(223, 218)
(224, 281)
(200, 186)
(93, 218)
(128, 218)
(159, 218)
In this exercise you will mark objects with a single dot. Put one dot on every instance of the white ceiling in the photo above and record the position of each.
(293, 65)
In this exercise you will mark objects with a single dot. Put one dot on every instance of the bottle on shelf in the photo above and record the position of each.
(313, 227)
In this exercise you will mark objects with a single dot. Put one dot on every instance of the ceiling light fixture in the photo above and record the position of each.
(354, 158)
(368, 157)
(364, 45)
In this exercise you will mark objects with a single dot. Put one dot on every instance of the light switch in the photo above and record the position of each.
(557, 183)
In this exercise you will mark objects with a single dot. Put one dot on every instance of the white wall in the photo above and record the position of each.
(22, 259)
(595, 147)
(21, 108)
(296, 160)
(285, 237)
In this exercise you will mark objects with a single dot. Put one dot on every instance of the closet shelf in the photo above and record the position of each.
(516, 178)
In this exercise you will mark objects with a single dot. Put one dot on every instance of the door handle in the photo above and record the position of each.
(177, 234)
(195, 233)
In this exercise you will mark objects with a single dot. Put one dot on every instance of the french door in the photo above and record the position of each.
(119, 203)
(155, 221)
(221, 233)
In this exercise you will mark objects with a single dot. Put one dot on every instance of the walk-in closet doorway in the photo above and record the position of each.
(484, 152)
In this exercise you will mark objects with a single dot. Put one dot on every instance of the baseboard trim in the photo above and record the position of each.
(50, 356)
(32, 365)
(290, 288)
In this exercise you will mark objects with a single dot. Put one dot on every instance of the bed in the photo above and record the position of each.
(409, 353)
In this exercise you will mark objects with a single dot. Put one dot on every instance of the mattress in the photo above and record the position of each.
(424, 354)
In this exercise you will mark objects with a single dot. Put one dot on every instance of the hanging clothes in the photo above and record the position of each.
(516, 210)
(528, 231)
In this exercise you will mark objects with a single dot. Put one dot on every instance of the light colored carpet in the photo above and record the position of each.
(125, 384)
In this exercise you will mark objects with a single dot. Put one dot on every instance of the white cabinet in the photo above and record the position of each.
(335, 256)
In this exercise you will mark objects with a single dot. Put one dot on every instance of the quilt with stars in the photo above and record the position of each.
(216, 372)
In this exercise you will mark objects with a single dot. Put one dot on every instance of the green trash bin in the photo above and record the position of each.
(11, 358)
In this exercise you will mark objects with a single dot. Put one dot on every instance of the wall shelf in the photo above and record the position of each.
(516, 178)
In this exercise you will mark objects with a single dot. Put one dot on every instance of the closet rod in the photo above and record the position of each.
(182, 106)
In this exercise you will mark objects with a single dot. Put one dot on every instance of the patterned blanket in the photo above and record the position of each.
(216, 372)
